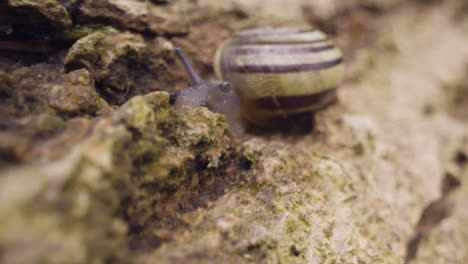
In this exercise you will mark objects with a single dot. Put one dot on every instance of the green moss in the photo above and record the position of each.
(128, 157)
(78, 32)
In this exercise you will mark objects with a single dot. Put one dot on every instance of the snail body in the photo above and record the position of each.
(216, 95)
(280, 71)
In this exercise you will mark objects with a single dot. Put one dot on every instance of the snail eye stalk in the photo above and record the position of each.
(188, 67)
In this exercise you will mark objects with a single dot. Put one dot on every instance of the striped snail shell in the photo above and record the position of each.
(280, 71)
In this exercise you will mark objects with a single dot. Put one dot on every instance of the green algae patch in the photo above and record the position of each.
(130, 164)
(81, 31)
(290, 210)
(178, 159)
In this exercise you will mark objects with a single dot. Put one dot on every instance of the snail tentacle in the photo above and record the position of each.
(195, 78)
(218, 96)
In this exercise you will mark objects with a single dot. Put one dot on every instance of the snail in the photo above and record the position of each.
(268, 73)
(280, 70)
(218, 96)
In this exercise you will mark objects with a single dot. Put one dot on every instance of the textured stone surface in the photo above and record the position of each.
(77, 95)
(121, 161)
(97, 167)
(109, 56)
(49, 10)
(141, 16)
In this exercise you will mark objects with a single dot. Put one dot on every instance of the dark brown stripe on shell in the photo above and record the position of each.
(282, 50)
(292, 102)
(287, 68)
(261, 32)
(287, 42)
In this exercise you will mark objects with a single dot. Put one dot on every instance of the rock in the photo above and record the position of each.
(19, 136)
(381, 177)
(122, 64)
(444, 240)
(79, 189)
(89, 184)
(44, 85)
(31, 98)
(140, 16)
(28, 84)
(6, 87)
(40, 13)
(76, 95)
(168, 150)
